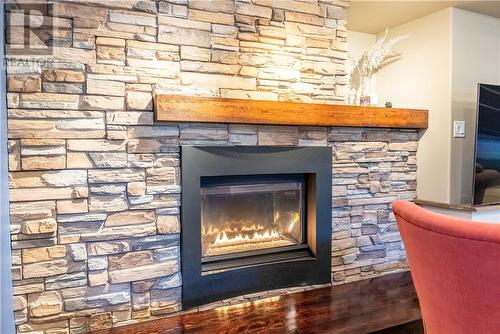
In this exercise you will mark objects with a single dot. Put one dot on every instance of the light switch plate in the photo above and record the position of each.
(459, 129)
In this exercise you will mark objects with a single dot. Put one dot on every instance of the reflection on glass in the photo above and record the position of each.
(240, 218)
(487, 170)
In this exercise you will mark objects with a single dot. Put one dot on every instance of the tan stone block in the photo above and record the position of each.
(200, 15)
(253, 10)
(98, 277)
(95, 102)
(28, 286)
(249, 71)
(297, 6)
(225, 57)
(130, 260)
(17, 273)
(179, 10)
(284, 74)
(110, 55)
(61, 178)
(182, 23)
(218, 80)
(248, 94)
(152, 46)
(107, 41)
(79, 325)
(144, 313)
(136, 188)
(116, 175)
(195, 66)
(225, 43)
(101, 321)
(318, 43)
(72, 54)
(336, 12)
(222, 6)
(110, 203)
(95, 145)
(139, 87)
(133, 18)
(129, 118)
(165, 301)
(13, 100)
(23, 211)
(189, 52)
(14, 155)
(21, 124)
(19, 303)
(63, 75)
(72, 206)
(183, 36)
(41, 163)
(168, 224)
(44, 304)
(49, 101)
(109, 247)
(304, 18)
(42, 146)
(139, 100)
(32, 255)
(78, 160)
(105, 87)
(24, 83)
(143, 272)
(35, 194)
(41, 226)
(51, 268)
(130, 218)
(110, 72)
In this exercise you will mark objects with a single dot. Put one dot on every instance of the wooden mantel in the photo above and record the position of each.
(178, 108)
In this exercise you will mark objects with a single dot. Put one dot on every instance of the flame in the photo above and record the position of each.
(239, 236)
(223, 239)
(295, 220)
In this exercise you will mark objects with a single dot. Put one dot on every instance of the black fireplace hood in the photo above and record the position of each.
(307, 264)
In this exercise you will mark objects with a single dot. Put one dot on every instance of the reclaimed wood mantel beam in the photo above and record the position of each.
(178, 108)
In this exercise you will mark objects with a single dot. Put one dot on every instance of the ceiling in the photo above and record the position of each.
(373, 16)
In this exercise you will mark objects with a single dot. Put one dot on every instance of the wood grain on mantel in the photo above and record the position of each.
(178, 108)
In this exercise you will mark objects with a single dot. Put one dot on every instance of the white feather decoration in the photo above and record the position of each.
(370, 62)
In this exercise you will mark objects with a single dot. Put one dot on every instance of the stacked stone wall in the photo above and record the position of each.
(95, 181)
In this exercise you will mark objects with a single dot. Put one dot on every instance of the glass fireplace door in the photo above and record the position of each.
(254, 216)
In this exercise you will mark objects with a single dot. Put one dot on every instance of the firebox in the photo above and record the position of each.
(254, 219)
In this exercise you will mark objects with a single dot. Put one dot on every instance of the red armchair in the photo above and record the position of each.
(455, 265)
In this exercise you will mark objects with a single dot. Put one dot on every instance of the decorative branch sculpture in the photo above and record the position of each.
(379, 55)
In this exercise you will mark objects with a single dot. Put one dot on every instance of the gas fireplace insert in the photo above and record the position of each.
(254, 219)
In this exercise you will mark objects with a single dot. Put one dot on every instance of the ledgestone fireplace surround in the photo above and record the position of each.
(95, 182)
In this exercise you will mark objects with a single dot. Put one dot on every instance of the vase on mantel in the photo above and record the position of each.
(366, 97)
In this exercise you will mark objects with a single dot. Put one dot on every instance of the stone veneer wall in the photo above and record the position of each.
(95, 184)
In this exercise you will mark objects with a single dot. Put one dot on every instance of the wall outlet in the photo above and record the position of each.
(459, 129)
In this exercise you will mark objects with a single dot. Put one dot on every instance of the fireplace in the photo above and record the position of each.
(254, 219)
(258, 215)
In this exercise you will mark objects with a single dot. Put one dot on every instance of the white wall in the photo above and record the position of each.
(421, 79)
(359, 42)
(475, 59)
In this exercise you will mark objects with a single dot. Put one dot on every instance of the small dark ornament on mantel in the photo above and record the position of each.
(388, 104)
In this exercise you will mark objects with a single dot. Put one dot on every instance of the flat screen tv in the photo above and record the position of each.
(487, 153)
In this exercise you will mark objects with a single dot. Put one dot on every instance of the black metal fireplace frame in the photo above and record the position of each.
(285, 269)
